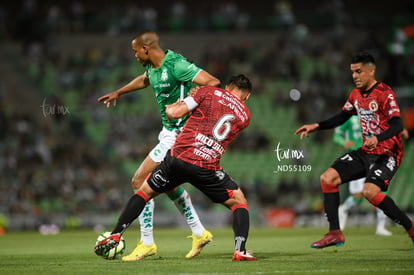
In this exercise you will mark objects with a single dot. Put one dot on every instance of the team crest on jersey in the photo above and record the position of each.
(373, 106)
(164, 75)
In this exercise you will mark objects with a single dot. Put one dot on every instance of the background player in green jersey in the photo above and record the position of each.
(172, 77)
(349, 136)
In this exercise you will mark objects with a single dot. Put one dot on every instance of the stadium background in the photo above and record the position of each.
(67, 160)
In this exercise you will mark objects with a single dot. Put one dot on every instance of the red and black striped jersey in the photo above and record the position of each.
(375, 108)
(214, 123)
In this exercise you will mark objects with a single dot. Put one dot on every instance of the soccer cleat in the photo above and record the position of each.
(107, 244)
(140, 252)
(411, 232)
(381, 231)
(199, 243)
(243, 256)
(343, 215)
(333, 237)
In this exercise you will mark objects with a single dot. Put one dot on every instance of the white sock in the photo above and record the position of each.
(146, 222)
(350, 202)
(183, 203)
(381, 219)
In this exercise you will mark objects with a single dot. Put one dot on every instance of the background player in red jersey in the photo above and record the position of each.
(379, 157)
(217, 117)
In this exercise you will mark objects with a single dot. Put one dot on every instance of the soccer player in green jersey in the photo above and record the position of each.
(172, 77)
(349, 136)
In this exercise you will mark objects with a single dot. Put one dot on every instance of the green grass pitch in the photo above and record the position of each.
(280, 251)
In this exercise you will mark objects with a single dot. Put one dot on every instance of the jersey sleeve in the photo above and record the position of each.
(348, 106)
(185, 70)
(390, 106)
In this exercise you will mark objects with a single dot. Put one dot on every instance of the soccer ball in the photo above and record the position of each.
(115, 252)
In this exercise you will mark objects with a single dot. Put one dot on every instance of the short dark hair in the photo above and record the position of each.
(362, 57)
(241, 81)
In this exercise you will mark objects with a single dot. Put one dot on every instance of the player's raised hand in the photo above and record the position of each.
(108, 98)
(305, 130)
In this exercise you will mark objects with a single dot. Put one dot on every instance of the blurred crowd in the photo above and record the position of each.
(78, 158)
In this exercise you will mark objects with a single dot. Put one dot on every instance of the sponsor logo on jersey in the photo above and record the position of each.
(210, 143)
(201, 154)
(233, 104)
(164, 75)
(369, 122)
(369, 119)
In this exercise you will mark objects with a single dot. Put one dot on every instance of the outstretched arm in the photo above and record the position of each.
(137, 83)
(305, 130)
(332, 122)
(203, 78)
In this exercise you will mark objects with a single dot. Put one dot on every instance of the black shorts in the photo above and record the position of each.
(378, 169)
(172, 172)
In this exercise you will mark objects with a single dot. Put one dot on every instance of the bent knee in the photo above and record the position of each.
(240, 201)
(331, 177)
(327, 179)
(370, 191)
(137, 182)
(368, 194)
(237, 199)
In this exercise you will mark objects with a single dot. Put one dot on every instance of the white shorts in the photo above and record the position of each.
(166, 140)
(356, 186)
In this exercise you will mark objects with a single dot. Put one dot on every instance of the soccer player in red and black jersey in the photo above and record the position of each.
(380, 155)
(217, 117)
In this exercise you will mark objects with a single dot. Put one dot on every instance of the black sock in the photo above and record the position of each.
(132, 210)
(241, 227)
(394, 212)
(331, 204)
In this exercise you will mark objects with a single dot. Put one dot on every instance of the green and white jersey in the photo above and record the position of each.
(350, 130)
(171, 81)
